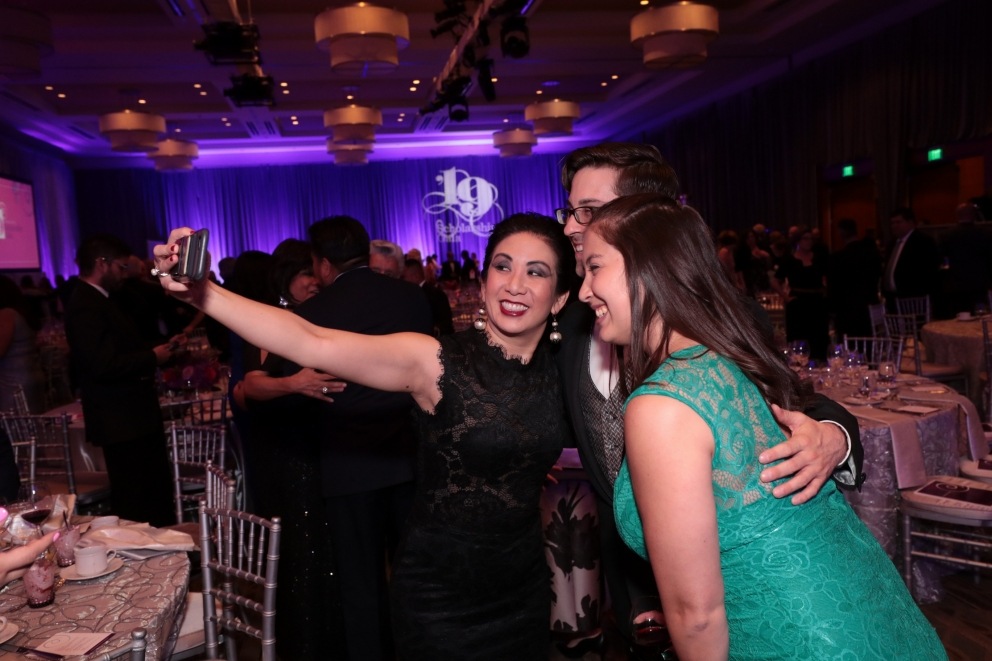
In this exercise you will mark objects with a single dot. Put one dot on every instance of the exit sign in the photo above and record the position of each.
(935, 154)
(847, 171)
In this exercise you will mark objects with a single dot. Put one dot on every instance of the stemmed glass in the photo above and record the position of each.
(650, 634)
(800, 354)
(31, 506)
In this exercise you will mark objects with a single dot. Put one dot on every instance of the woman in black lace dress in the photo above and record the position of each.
(470, 581)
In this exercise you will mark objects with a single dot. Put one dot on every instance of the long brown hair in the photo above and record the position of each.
(673, 274)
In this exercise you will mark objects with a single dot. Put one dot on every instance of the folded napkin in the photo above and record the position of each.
(977, 445)
(906, 449)
(141, 536)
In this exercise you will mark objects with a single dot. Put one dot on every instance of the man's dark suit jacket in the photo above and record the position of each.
(576, 325)
(440, 309)
(367, 436)
(114, 367)
(918, 267)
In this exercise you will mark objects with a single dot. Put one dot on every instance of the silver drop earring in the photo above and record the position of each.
(555, 334)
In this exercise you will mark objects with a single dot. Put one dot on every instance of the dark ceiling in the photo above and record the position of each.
(110, 53)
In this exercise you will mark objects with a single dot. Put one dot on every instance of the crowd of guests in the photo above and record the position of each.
(825, 290)
(407, 461)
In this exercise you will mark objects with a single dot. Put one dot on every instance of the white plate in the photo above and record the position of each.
(8, 632)
(919, 410)
(863, 401)
(70, 574)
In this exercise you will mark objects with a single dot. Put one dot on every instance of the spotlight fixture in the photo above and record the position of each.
(485, 78)
(227, 42)
(251, 90)
(514, 37)
(458, 109)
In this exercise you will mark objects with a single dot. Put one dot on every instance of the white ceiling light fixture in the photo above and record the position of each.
(514, 142)
(175, 155)
(349, 153)
(132, 131)
(552, 117)
(362, 37)
(352, 124)
(25, 36)
(675, 35)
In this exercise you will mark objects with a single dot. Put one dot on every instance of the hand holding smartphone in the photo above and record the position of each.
(192, 264)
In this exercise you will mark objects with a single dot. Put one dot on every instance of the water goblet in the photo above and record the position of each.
(887, 371)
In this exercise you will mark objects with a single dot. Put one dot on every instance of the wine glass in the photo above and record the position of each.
(648, 629)
(31, 505)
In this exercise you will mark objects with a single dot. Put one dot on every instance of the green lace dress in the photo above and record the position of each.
(801, 582)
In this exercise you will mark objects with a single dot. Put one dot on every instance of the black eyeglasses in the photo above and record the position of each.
(583, 215)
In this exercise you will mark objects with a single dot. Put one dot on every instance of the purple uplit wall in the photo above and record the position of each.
(417, 204)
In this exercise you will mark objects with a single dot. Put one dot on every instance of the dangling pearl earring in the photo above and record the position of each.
(480, 321)
(555, 334)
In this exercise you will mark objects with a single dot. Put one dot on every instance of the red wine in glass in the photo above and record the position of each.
(37, 516)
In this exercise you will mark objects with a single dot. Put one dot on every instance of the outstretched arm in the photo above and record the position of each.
(815, 451)
(402, 362)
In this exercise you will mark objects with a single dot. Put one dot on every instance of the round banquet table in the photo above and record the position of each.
(942, 438)
(954, 342)
(148, 593)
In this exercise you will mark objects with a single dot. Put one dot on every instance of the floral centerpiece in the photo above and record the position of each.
(191, 370)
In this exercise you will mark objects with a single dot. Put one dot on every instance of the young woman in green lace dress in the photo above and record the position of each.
(742, 574)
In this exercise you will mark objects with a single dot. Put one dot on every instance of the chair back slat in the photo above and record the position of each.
(239, 549)
(918, 306)
(42, 450)
(190, 450)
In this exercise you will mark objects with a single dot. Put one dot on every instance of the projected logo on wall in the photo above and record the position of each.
(465, 204)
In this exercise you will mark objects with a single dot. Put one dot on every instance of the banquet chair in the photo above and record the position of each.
(135, 651)
(210, 409)
(21, 401)
(905, 326)
(875, 349)
(919, 306)
(190, 448)
(219, 494)
(50, 458)
(239, 554)
(876, 313)
(948, 519)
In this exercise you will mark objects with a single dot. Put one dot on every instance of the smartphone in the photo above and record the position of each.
(192, 264)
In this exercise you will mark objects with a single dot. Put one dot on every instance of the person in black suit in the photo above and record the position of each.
(366, 436)
(115, 370)
(413, 271)
(913, 263)
(450, 269)
(852, 280)
(593, 176)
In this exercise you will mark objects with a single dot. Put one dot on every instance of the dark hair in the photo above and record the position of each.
(12, 297)
(673, 273)
(642, 169)
(97, 247)
(341, 240)
(905, 212)
(547, 229)
(251, 276)
(291, 258)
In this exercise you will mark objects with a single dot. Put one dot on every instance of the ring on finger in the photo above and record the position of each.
(325, 390)
(159, 274)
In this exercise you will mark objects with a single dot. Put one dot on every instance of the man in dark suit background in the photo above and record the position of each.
(852, 280)
(366, 436)
(413, 271)
(115, 370)
(913, 263)
(593, 176)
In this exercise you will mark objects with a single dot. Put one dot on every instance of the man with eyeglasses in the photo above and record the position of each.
(115, 372)
(593, 176)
